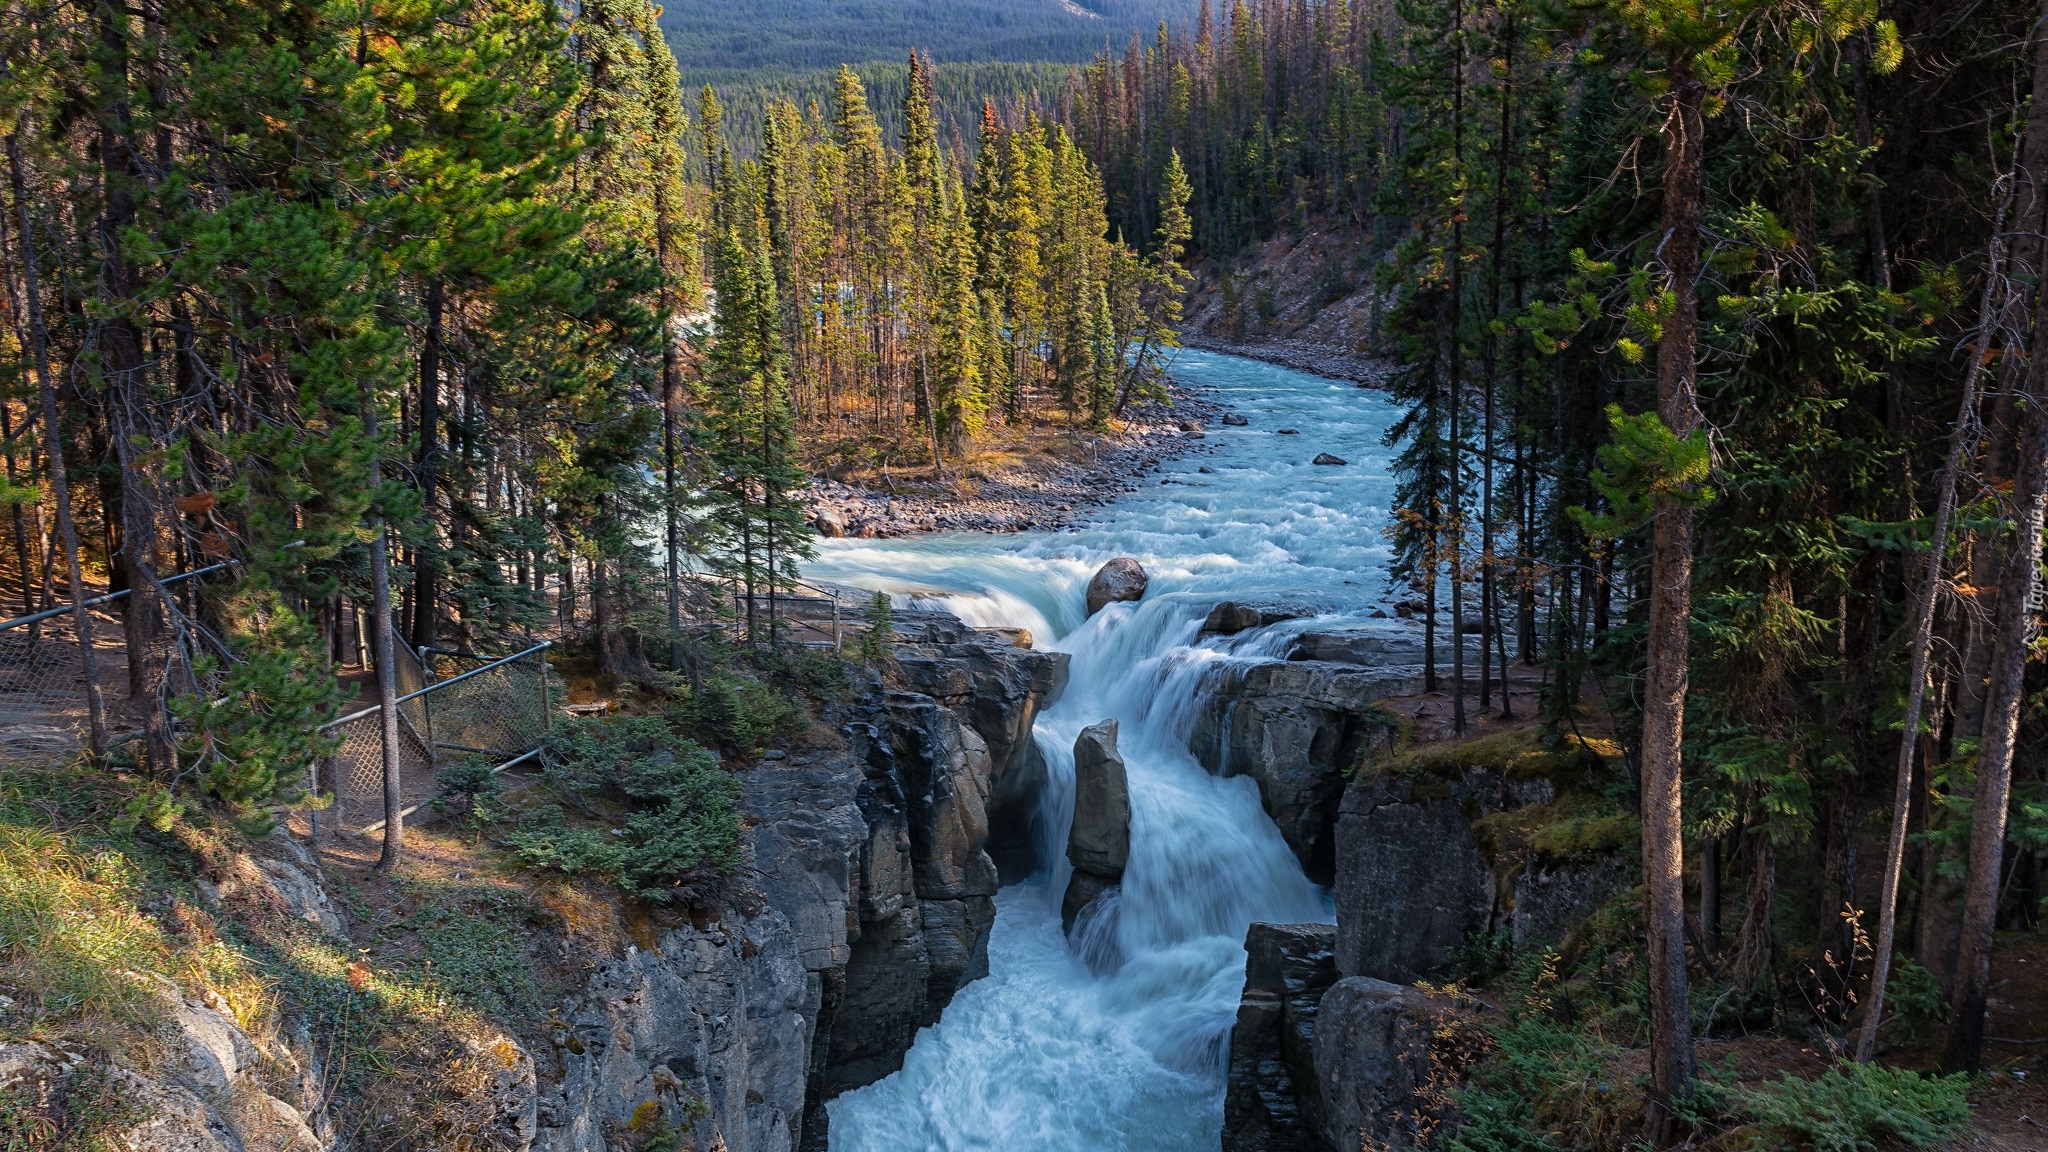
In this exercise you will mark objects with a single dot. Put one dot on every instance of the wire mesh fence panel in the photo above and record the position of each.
(357, 768)
(42, 681)
(499, 709)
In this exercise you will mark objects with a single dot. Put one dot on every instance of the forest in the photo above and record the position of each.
(396, 311)
(1716, 332)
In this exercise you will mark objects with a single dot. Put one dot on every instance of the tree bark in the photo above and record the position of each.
(384, 651)
(1457, 262)
(2012, 631)
(1921, 643)
(424, 598)
(1665, 680)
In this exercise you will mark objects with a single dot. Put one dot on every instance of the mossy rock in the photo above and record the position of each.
(1570, 763)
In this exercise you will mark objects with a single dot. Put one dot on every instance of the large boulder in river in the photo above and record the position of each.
(1099, 842)
(831, 522)
(1121, 579)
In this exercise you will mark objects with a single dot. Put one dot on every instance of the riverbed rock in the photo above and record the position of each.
(1366, 646)
(1235, 420)
(1273, 1102)
(1230, 618)
(1099, 841)
(1121, 579)
(831, 522)
(1328, 460)
(1298, 728)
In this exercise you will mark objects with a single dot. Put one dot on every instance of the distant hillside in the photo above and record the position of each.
(957, 92)
(755, 51)
(805, 35)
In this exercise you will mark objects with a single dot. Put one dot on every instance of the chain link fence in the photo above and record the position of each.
(497, 708)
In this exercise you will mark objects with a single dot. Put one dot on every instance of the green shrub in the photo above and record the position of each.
(736, 711)
(1915, 997)
(1857, 1108)
(1497, 1122)
(470, 793)
(673, 813)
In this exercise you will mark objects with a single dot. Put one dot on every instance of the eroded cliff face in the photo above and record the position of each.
(871, 897)
(1301, 726)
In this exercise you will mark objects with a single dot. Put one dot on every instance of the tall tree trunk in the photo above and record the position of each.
(2012, 630)
(384, 650)
(1671, 1054)
(424, 597)
(121, 168)
(1920, 642)
(1489, 612)
(53, 455)
(1457, 261)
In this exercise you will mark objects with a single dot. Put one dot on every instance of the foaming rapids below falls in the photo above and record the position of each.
(1117, 1039)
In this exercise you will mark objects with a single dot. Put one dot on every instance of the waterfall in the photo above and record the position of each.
(1118, 1040)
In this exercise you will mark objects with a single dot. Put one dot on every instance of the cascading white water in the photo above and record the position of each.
(1051, 1053)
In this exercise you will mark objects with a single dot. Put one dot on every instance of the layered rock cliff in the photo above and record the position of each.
(870, 905)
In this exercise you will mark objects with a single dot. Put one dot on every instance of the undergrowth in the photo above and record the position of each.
(629, 800)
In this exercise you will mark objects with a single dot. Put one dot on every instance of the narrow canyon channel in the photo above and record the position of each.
(1117, 1041)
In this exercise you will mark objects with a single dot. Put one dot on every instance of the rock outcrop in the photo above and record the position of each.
(217, 1089)
(710, 1024)
(1323, 1064)
(1299, 728)
(1411, 882)
(1121, 579)
(1273, 1102)
(997, 684)
(1504, 834)
(871, 905)
(1385, 1058)
(1099, 841)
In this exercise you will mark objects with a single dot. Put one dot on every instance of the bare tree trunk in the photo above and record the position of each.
(384, 645)
(1671, 1055)
(53, 453)
(2014, 627)
(1920, 644)
(1457, 261)
(424, 597)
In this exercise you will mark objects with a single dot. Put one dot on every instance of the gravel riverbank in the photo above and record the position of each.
(1039, 486)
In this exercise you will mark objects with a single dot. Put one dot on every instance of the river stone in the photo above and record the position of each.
(1100, 841)
(831, 522)
(1121, 579)
(1235, 420)
(1326, 459)
(1289, 431)
(1229, 618)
